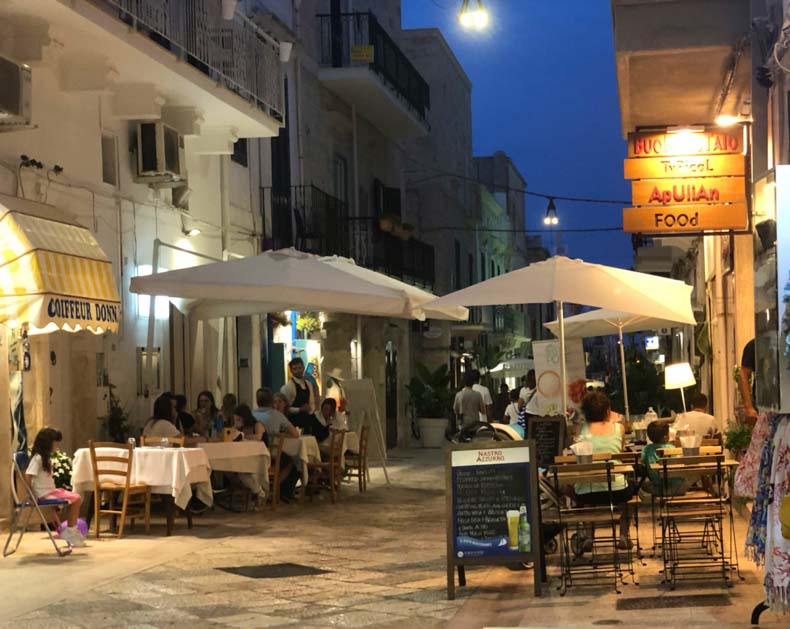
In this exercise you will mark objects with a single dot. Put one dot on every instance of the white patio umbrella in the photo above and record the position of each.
(290, 280)
(604, 322)
(561, 280)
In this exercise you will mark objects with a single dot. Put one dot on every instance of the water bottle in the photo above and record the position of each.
(650, 416)
(524, 531)
(220, 426)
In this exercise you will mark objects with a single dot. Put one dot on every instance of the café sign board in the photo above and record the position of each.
(687, 181)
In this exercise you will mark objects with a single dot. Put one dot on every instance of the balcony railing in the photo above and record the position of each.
(234, 53)
(343, 36)
(411, 260)
(307, 218)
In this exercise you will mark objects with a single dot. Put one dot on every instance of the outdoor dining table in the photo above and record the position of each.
(302, 450)
(246, 457)
(174, 473)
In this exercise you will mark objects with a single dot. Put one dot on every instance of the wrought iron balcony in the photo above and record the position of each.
(410, 260)
(350, 42)
(233, 53)
(307, 218)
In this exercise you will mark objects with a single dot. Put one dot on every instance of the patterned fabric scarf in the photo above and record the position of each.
(755, 537)
(777, 548)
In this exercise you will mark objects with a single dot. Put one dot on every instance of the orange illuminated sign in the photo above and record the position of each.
(663, 192)
(685, 166)
(681, 219)
(708, 142)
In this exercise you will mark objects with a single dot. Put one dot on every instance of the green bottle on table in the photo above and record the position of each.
(524, 531)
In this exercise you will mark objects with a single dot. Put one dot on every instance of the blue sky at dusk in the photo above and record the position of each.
(545, 92)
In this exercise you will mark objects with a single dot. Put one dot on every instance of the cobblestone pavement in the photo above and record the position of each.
(383, 557)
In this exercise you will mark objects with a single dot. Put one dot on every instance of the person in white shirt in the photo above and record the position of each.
(163, 422)
(697, 419)
(488, 401)
(529, 393)
(515, 410)
(299, 393)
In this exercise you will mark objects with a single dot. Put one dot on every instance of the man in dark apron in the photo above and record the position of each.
(303, 403)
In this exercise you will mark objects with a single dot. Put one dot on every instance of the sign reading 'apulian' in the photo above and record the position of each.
(691, 181)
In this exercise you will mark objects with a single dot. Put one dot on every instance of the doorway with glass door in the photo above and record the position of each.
(391, 393)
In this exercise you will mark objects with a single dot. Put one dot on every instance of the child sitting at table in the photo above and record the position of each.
(39, 478)
(658, 433)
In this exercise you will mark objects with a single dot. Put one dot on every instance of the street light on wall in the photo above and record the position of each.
(473, 18)
(551, 217)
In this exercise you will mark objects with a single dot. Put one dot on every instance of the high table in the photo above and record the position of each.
(245, 457)
(170, 472)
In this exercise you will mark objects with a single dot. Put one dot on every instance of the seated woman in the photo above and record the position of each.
(606, 437)
(164, 420)
(658, 433)
(253, 430)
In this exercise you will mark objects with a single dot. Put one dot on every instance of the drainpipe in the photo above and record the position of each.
(223, 351)
(721, 380)
(355, 159)
(298, 90)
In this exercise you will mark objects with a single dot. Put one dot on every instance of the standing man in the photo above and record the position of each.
(300, 395)
(746, 382)
(529, 393)
(488, 401)
(468, 406)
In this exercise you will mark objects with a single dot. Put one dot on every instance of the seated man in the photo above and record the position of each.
(276, 423)
(697, 419)
(658, 433)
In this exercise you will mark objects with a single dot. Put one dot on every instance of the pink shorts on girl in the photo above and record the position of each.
(61, 494)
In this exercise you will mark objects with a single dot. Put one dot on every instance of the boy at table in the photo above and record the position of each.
(658, 433)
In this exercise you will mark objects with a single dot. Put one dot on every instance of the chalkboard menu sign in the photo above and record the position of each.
(492, 507)
(548, 433)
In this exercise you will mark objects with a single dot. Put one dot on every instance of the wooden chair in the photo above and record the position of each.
(276, 451)
(105, 465)
(328, 474)
(357, 462)
(155, 441)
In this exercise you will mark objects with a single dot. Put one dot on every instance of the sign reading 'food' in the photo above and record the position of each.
(687, 181)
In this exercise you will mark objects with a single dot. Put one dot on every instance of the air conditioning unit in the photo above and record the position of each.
(16, 98)
(159, 154)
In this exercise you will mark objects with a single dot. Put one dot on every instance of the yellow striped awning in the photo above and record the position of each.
(54, 275)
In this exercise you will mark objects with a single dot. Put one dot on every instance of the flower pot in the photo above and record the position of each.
(432, 431)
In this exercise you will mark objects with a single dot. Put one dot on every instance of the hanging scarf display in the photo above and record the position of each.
(746, 474)
(777, 547)
(755, 537)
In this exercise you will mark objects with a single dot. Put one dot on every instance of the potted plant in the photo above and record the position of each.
(737, 438)
(406, 231)
(116, 422)
(307, 323)
(431, 399)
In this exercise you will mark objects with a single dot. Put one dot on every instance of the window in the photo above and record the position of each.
(482, 266)
(471, 270)
(240, 152)
(109, 159)
(493, 269)
(340, 174)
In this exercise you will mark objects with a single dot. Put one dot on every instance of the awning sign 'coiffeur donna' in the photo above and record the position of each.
(686, 181)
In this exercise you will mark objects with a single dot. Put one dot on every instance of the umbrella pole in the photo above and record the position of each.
(563, 373)
(622, 372)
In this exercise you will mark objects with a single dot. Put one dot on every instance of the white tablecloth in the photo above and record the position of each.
(302, 450)
(246, 457)
(169, 471)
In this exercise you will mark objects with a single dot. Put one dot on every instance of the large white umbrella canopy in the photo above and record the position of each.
(603, 322)
(418, 298)
(560, 279)
(288, 280)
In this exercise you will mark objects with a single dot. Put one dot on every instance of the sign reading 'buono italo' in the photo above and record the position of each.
(686, 181)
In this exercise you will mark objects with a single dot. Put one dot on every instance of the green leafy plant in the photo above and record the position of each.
(429, 391)
(737, 437)
(61, 469)
(308, 322)
(116, 421)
